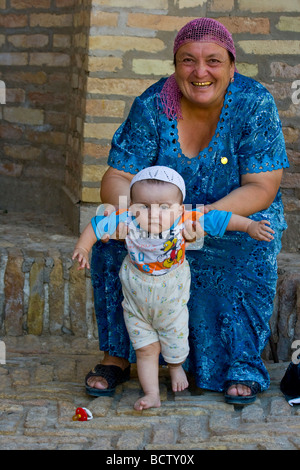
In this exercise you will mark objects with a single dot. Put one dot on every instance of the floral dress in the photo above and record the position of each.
(234, 278)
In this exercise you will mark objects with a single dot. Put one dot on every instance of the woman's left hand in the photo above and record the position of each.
(208, 208)
(192, 231)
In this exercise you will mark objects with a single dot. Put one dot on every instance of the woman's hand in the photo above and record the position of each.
(121, 230)
(106, 210)
(114, 188)
(192, 231)
(208, 208)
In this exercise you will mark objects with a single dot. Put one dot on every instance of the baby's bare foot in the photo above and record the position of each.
(178, 379)
(148, 401)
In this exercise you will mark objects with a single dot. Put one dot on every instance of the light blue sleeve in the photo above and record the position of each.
(215, 222)
(107, 224)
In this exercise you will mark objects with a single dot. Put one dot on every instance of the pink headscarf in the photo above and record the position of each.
(198, 30)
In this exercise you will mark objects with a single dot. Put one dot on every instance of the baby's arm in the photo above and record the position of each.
(259, 230)
(84, 245)
(216, 222)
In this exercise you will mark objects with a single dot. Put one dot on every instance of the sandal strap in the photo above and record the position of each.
(113, 375)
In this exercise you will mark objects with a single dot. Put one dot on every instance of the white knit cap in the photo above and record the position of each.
(161, 173)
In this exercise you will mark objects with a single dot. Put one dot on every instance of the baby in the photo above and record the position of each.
(155, 274)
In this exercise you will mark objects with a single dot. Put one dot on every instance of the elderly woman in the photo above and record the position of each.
(221, 131)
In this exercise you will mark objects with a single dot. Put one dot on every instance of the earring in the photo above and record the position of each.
(232, 80)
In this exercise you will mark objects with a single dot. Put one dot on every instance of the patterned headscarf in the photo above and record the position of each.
(198, 30)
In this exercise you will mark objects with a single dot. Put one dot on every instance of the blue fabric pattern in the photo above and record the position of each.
(234, 277)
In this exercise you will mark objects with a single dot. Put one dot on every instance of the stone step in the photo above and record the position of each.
(42, 384)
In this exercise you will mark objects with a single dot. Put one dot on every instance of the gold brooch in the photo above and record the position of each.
(224, 160)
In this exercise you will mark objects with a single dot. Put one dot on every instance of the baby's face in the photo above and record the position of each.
(156, 206)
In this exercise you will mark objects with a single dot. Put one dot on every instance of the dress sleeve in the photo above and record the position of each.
(262, 146)
(135, 143)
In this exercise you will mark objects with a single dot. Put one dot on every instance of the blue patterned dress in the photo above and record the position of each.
(234, 277)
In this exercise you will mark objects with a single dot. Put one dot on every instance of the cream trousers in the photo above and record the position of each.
(155, 309)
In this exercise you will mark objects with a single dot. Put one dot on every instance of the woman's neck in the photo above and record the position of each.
(201, 113)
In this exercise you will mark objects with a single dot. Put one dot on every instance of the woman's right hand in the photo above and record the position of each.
(115, 187)
(122, 229)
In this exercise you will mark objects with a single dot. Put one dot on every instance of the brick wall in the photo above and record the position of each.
(73, 67)
(42, 63)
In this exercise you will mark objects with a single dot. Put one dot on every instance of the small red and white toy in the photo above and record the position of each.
(82, 414)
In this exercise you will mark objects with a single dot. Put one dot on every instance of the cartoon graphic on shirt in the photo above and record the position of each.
(173, 252)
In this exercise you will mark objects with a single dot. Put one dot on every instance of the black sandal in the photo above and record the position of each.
(114, 376)
(242, 399)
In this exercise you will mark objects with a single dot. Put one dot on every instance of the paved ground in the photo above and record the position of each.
(41, 385)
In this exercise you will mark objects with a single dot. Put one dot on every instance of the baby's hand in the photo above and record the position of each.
(82, 256)
(260, 230)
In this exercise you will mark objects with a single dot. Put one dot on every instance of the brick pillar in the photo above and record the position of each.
(43, 49)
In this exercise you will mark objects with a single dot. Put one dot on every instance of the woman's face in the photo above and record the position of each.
(203, 72)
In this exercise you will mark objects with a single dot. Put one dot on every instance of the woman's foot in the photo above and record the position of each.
(242, 393)
(178, 378)
(237, 390)
(148, 401)
(99, 382)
